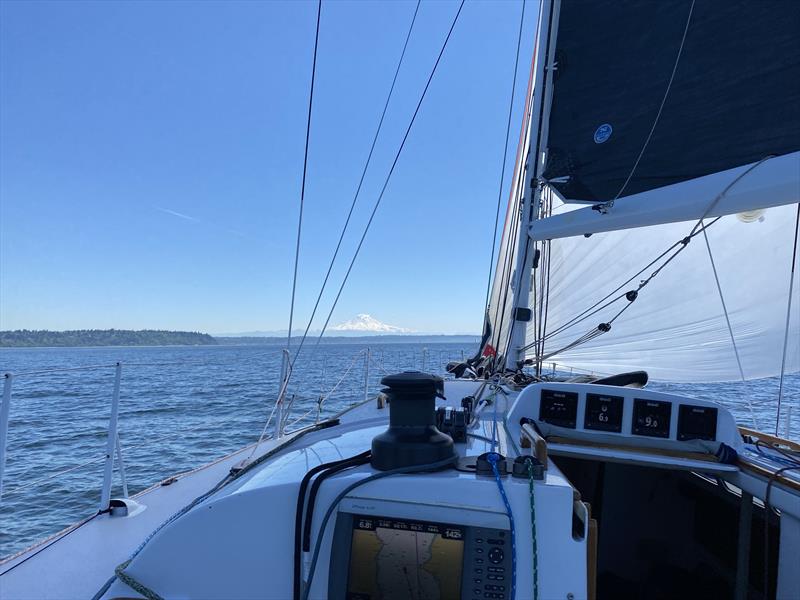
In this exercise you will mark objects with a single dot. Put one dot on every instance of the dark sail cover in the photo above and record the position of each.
(734, 99)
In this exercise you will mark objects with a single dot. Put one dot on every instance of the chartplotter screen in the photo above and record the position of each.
(404, 560)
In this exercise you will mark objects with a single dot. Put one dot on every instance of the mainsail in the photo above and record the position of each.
(654, 169)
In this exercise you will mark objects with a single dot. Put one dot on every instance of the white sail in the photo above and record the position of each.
(651, 155)
(676, 328)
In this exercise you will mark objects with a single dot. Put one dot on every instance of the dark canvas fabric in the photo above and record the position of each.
(735, 97)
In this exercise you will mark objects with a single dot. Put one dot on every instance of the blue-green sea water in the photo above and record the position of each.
(181, 407)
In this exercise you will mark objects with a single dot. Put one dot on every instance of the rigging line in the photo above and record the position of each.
(360, 183)
(534, 145)
(505, 156)
(728, 187)
(596, 307)
(305, 170)
(642, 284)
(391, 170)
(660, 108)
(788, 319)
(511, 210)
(730, 331)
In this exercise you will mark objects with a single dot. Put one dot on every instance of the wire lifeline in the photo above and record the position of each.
(358, 188)
(391, 171)
(379, 475)
(305, 171)
(493, 458)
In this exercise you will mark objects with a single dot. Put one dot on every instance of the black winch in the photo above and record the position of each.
(412, 437)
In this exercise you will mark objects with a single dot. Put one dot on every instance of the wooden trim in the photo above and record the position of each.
(746, 465)
(771, 439)
(531, 437)
(636, 449)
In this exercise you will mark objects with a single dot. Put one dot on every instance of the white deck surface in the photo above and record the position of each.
(77, 562)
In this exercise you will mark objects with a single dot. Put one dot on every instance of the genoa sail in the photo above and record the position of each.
(719, 101)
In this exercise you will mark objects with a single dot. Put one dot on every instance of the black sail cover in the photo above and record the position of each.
(734, 98)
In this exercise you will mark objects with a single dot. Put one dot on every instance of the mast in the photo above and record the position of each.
(534, 164)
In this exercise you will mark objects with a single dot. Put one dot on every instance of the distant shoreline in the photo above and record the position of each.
(123, 338)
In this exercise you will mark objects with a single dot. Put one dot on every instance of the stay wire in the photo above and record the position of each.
(505, 157)
(788, 320)
(389, 176)
(305, 171)
(730, 331)
(360, 184)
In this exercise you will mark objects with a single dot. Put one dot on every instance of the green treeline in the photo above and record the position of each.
(103, 337)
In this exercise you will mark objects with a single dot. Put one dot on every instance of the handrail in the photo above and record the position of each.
(113, 445)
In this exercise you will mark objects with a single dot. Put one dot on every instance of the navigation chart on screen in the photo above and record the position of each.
(396, 559)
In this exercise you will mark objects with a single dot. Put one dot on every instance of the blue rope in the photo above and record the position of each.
(494, 458)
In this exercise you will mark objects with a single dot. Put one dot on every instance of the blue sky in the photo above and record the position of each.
(151, 159)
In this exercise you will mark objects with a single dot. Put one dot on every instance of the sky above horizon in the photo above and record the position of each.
(151, 157)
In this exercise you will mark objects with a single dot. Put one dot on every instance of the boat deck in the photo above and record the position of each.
(95, 546)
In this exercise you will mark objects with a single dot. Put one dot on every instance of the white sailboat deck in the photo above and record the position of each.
(95, 546)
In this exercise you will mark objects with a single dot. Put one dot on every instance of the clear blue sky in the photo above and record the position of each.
(151, 158)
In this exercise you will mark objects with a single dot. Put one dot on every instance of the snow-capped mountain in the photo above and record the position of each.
(366, 323)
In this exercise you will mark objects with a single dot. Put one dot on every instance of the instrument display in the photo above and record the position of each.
(651, 417)
(603, 412)
(559, 408)
(395, 557)
(697, 422)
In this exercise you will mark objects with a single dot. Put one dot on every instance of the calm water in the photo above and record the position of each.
(184, 406)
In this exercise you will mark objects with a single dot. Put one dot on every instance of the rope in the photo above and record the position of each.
(660, 108)
(493, 458)
(505, 158)
(305, 170)
(389, 176)
(730, 331)
(533, 532)
(358, 188)
(788, 319)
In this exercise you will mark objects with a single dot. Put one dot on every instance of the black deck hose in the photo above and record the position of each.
(356, 461)
(298, 517)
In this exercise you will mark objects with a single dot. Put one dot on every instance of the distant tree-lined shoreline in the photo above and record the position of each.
(26, 338)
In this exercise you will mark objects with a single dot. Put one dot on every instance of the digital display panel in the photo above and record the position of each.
(395, 559)
(603, 413)
(697, 422)
(558, 408)
(651, 417)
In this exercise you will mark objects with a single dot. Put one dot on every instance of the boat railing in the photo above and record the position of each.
(113, 446)
(282, 418)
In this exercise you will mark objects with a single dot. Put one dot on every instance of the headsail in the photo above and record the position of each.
(715, 101)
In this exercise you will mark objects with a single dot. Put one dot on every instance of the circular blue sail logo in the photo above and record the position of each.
(602, 133)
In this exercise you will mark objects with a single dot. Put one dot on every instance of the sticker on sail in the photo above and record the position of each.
(602, 133)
